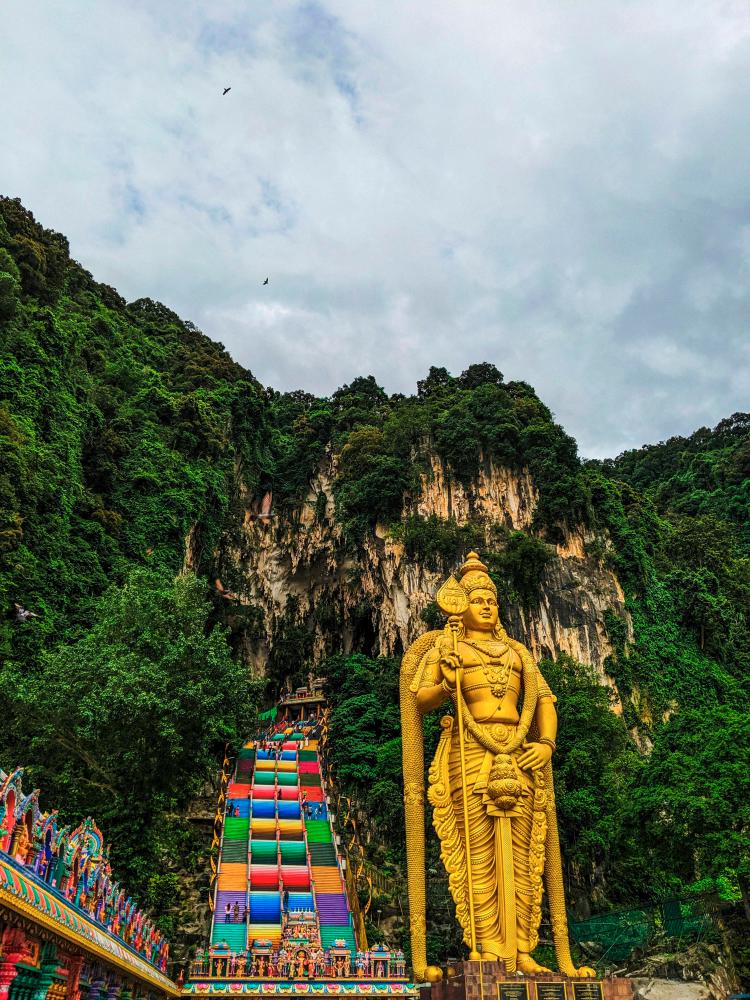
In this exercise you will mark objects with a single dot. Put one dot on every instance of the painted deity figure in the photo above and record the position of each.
(490, 781)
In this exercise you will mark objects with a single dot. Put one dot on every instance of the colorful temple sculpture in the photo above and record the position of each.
(282, 920)
(67, 928)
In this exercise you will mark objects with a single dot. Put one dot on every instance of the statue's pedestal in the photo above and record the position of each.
(489, 981)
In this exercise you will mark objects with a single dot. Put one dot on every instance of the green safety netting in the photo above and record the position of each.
(616, 935)
(684, 919)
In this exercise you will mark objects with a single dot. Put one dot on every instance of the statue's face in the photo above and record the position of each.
(482, 613)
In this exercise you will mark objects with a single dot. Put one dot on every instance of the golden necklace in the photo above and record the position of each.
(496, 671)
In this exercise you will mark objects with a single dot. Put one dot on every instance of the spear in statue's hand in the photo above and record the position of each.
(453, 601)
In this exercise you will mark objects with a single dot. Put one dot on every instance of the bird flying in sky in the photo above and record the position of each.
(226, 91)
(266, 281)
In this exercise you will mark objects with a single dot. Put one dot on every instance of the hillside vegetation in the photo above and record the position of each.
(121, 431)
(125, 432)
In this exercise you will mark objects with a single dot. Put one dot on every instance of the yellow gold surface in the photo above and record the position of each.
(491, 785)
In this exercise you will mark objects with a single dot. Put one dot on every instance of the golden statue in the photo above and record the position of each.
(490, 782)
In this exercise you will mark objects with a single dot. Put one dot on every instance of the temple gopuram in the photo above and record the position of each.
(67, 928)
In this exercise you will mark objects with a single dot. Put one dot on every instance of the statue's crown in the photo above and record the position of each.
(473, 562)
(474, 575)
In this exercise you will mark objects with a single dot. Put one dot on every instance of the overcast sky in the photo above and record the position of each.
(561, 187)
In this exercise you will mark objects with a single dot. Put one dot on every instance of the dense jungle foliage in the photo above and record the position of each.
(122, 430)
(386, 442)
(126, 438)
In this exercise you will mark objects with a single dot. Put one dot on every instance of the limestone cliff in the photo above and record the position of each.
(377, 594)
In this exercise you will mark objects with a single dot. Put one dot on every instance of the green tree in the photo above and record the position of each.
(126, 723)
(372, 481)
(10, 285)
(518, 568)
(596, 766)
(692, 802)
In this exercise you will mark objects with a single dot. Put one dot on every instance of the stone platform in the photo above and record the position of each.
(489, 981)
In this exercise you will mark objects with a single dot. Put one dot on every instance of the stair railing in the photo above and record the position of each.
(217, 839)
(353, 851)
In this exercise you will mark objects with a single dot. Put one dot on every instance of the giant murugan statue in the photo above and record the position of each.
(490, 782)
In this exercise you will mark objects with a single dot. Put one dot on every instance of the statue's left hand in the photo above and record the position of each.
(534, 756)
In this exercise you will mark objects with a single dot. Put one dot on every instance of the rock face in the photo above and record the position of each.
(372, 597)
(699, 971)
(668, 989)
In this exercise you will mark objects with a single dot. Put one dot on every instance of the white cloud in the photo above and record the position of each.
(557, 188)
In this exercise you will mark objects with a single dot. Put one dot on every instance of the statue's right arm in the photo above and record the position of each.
(431, 693)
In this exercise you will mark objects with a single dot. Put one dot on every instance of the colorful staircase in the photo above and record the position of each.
(273, 846)
(233, 869)
(331, 900)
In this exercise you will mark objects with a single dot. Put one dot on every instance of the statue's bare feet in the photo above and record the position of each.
(526, 965)
(490, 950)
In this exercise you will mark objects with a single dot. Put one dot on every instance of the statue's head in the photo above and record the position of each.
(482, 612)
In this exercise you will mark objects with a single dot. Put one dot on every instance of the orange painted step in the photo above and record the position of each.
(233, 877)
(326, 879)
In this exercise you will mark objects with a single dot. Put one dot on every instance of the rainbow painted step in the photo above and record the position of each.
(332, 908)
(318, 831)
(232, 934)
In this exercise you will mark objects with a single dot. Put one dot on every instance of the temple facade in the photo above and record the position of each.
(67, 928)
